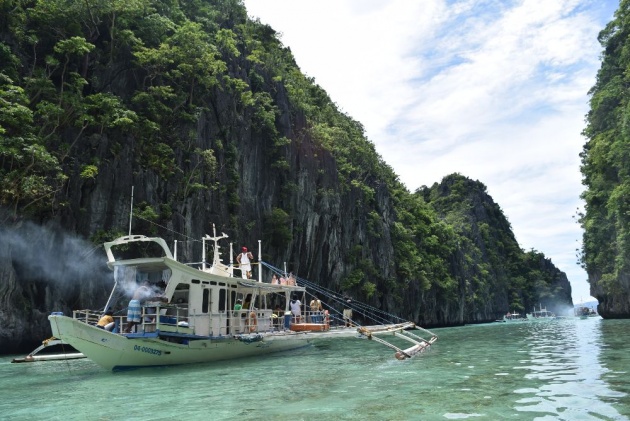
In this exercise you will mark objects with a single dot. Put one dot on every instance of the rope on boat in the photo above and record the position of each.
(399, 327)
(45, 341)
(370, 312)
(63, 348)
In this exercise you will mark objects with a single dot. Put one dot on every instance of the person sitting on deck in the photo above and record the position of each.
(107, 321)
(276, 316)
(291, 280)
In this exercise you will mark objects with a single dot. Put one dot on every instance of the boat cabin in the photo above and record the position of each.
(204, 301)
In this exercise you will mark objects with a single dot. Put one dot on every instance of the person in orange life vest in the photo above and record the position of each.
(107, 321)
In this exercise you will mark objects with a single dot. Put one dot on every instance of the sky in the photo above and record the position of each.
(496, 90)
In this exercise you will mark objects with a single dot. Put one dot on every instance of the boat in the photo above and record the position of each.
(194, 313)
(585, 312)
(511, 318)
(542, 314)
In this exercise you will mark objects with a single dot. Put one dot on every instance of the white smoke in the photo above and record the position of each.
(41, 253)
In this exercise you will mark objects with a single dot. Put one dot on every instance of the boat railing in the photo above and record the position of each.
(265, 320)
(157, 316)
(92, 317)
(250, 321)
(86, 316)
(165, 318)
(154, 316)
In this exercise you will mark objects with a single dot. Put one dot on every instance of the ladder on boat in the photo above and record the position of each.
(400, 330)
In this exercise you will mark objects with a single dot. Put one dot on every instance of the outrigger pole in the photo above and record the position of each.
(389, 324)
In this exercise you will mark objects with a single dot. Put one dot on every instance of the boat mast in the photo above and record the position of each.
(131, 211)
(203, 252)
(259, 260)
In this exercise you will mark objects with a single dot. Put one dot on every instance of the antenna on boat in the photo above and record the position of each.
(203, 250)
(231, 260)
(259, 259)
(131, 212)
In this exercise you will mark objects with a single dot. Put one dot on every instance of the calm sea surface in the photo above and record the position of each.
(559, 370)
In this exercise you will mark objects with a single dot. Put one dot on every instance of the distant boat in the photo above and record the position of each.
(199, 316)
(542, 314)
(585, 312)
(511, 318)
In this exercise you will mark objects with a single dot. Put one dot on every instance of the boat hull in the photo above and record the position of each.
(119, 352)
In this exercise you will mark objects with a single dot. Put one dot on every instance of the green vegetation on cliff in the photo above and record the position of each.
(495, 269)
(606, 171)
(209, 115)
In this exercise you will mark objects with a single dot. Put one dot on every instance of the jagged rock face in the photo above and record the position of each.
(612, 305)
(496, 257)
(325, 222)
(55, 266)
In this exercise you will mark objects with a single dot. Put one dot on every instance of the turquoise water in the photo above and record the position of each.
(559, 370)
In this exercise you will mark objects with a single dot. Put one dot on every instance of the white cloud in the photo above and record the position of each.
(495, 90)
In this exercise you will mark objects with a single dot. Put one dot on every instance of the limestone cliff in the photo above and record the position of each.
(207, 117)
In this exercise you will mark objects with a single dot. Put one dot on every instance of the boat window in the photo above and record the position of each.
(213, 282)
(205, 300)
(195, 281)
(180, 296)
(222, 299)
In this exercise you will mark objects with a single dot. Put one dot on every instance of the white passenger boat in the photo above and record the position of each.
(512, 318)
(193, 318)
(542, 314)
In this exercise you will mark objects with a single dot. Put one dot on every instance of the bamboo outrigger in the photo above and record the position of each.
(47, 343)
(402, 331)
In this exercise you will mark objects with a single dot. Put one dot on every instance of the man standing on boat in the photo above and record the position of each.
(134, 309)
(244, 259)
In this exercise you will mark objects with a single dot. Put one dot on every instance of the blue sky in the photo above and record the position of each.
(495, 90)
